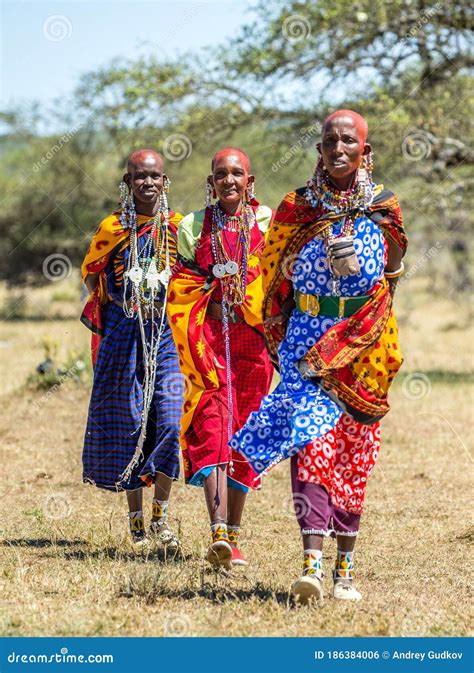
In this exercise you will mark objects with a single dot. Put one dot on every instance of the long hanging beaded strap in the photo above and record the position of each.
(230, 296)
(150, 352)
(226, 335)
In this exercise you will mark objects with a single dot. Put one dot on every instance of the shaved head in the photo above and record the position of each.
(146, 178)
(234, 152)
(355, 118)
(145, 156)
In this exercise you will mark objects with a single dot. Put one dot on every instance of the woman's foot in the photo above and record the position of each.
(233, 534)
(238, 559)
(308, 588)
(220, 554)
(220, 551)
(162, 534)
(136, 524)
(343, 576)
(345, 590)
(139, 539)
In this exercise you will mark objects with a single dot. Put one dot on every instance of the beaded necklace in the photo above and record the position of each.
(320, 192)
(232, 273)
(224, 220)
(231, 269)
(148, 272)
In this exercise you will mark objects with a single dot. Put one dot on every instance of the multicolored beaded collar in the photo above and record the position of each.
(321, 192)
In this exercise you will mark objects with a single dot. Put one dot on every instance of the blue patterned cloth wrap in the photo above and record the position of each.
(297, 411)
(114, 419)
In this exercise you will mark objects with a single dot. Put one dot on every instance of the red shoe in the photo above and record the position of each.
(238, 559)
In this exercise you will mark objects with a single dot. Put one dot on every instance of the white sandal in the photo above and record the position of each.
(345, 590)
(165, 537)
(309, 588)
(220, 554)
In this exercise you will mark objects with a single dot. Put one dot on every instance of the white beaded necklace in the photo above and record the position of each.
(146, 281)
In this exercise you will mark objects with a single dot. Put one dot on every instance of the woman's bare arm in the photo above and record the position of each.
(394, 261)
(91, 281)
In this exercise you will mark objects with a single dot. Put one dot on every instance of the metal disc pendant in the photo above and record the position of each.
(218, 270)
(231, 268)
(136, 275)
(152, 279)
(164, 276)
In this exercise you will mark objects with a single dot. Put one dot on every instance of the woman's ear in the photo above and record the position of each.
(367, 149)
(318, 147)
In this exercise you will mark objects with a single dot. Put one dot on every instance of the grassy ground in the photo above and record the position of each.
(66, 568)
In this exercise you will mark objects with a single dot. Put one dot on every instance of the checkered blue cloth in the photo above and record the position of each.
(113, 423)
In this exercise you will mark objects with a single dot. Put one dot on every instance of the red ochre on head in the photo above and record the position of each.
(357, 119)
(139, 156)
(232, 151)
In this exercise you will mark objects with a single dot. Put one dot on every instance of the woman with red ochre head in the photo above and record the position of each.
(330, 266)
(132, 435)
(214, 307)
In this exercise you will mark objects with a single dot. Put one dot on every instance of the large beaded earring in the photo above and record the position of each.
(132, 213)
(250, 192)
(124, 203)
(164, 198)
(366, 165)
(210, 193)
(369, 162)
(319, 172)
(364, 176)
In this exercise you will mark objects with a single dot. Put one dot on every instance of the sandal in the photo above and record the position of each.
(308, 588)
(165, 536)
(345, 590)
(220, 554)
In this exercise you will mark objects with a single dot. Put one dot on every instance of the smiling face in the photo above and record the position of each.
(343, 143)
(230, 178)
(145, 177)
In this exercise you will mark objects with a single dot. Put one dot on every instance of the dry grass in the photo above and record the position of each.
(67, 568)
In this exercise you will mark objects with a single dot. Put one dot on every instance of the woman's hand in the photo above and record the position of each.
(91, 281)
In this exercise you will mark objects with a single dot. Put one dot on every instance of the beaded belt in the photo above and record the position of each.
(147, 313)
(214, 310)
(334, 307)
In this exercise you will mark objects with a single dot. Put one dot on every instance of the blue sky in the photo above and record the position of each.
(46, 46)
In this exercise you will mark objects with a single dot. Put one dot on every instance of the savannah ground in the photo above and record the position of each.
(67, 568)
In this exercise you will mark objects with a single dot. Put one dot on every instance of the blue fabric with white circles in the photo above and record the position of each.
(297, 411)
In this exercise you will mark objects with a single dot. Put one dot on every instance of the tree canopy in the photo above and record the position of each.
(404, 64)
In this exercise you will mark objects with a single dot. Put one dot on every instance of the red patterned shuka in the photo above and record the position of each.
(200, 344)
